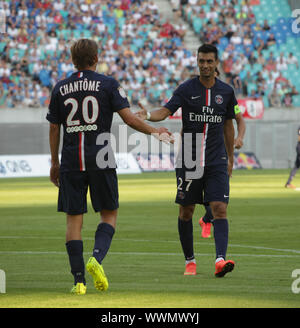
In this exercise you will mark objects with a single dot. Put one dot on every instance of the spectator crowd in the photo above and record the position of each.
(136, 46)
(250, 53)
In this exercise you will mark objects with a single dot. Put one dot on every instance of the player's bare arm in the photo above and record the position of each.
(138, 124)
(54, 137)
(155, 116)
(229, 143)
(241, 129)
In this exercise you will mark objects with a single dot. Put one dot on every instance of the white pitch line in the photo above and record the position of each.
(162, 241)
(143, 254)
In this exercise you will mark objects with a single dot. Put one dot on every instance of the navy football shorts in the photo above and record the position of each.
(212, 186)
(103, 185)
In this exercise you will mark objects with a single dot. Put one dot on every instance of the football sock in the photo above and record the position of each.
(185, 229)
(221, 237)
(190, 261)
(292, 175)
(75, 252)
(208, 216)
(103, 238)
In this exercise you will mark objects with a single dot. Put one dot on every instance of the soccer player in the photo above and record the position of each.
(205, 221)
(208, 106)
(296, 166)
(84, 105)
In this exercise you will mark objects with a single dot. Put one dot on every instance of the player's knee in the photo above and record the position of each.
(109, 217)
(186, 212)
(219, 210)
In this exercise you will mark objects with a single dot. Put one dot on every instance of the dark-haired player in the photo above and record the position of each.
(296, 166)
(205, 221)
(208, 107)
(84, 105)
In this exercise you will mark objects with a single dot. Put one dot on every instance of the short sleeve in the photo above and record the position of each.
(174, 102)
(53, 115)
(232, 107)
(118, 97)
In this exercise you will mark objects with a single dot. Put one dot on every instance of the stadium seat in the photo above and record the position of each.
(30, 68)
(64, 13)
(197, 24)
(266, 101)
(256, 68)
(281, 21)
(296, 100)
(2, 46)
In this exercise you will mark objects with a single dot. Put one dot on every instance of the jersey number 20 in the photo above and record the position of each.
(85, 110)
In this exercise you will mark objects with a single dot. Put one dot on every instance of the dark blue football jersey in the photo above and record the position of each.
(84, 104)
(204, 112)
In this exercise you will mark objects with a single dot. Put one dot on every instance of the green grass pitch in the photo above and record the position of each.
(145, 263)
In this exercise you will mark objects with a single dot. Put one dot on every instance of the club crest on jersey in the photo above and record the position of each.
(122, 92)
(219, 99)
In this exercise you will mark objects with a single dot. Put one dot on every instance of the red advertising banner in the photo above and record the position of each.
(251, 108)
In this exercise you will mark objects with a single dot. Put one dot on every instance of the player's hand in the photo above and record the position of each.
(230, 167)
(142, 114)
(164, 135)
(238, 143)
(54, 174)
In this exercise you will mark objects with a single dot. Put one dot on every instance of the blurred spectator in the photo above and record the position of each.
(254, 94)
(274, 98)
(292, 60)
(279, 78)
(271, 63)
(227, 66)
(271, 40)
(236, 38)
(260, 45)
(266, 26)
(3, 95)
(236, 80)
(261, 59)
(281, 64)
(176, 8)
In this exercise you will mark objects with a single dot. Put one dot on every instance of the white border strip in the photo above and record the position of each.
(156, 241)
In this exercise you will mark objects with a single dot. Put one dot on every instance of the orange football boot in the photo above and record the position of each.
(190, 269)
(205, 228)
(222, 267)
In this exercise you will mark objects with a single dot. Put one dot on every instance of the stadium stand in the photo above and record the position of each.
(136, 47)
(144, 52)
(257, 46)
